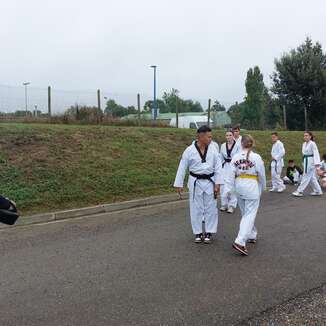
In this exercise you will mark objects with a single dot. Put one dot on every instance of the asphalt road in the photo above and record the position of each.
(141, 267)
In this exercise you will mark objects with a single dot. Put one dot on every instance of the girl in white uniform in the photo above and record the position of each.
(311, 163)
(277, 164)
(228, 150)
(202, 160)
(249, 180)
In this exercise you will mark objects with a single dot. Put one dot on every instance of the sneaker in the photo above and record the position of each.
(281, 190)
(297, 194)
(230, 210)
(208, 238)
(252, 241)
(198, 238)
(223, 209)
(243, 250)
(314, 193)
(272, 190)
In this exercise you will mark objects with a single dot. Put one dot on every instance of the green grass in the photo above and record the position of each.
(52, 167)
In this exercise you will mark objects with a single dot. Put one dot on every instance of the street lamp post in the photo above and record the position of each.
(154, 99)
(26, 84)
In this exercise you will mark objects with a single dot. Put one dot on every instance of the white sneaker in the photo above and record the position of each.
(230, 210)
(316, 193)
(223, 209)
(281, 190)
(272, 190)
(297, 194)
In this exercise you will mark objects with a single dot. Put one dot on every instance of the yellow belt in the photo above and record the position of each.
(248, 176)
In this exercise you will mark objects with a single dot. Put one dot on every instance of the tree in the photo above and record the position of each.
(300, 83)
(235, 113)
(117, 110)
(148, 106)
(252, 113)
(217, 106)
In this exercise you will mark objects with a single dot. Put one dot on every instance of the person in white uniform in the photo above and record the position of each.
(203, 162)
(237, 136)
(311, 164)
(249, 181)
(277, 164)
(228, 150)
(322, 172)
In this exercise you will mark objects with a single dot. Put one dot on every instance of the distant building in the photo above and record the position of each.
(221, 119)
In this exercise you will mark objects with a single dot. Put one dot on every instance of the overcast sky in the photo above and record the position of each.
(203, 48)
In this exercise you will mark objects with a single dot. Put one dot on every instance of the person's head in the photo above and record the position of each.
(274, 137)
(247, 142)
(291, 163)
(324, 157)
(204, 135)
(229, 136)
(307, 136)
(236, 131)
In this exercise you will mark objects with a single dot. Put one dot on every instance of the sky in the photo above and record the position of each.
(202, 48)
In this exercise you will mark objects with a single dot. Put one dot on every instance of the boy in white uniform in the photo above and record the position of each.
(228, 150)
(249, 180)
(277, 164)
(311, 164)
(202, 160)
(237, 136)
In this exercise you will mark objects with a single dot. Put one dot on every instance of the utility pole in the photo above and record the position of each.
(305, 118)
(26, 84)
(138, 108)
(177, 111)
(99, 100)
(49, 101)
(284, 117)
(154, 97)
(209, 112)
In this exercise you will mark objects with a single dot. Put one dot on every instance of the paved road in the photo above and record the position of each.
(141, 267)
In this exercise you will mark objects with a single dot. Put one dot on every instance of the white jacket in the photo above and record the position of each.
(192, 161)
(278, 153)
(251, 187)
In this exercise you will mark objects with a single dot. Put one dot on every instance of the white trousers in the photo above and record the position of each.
(276, 171)
(228, 200)
(203, 208)
(248, 208)
(310, 179)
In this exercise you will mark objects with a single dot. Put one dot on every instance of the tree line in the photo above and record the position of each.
(297, 97)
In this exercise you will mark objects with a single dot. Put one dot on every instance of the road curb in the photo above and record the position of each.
(95, 210)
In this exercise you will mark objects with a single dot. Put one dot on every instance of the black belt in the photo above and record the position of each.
(202, 177)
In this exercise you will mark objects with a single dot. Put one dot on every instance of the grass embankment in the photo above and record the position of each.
(53, 167)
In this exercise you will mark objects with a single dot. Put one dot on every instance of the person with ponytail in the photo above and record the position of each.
(248, 180)
(311, 164)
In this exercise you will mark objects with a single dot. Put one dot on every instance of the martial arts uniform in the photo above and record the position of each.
(205, 172)
(238, 143)
(226, 155)
(249, 180)
(311, 158)
(293, 174)
(277, 164)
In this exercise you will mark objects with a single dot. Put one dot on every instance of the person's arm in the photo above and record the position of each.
(316, 155)
(218, 173)
(181, 173)
(261, 175)
(280, 152)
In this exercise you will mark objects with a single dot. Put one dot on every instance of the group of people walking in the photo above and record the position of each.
(238, 174)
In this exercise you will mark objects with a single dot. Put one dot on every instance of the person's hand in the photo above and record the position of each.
(217, 188)
(179, 190)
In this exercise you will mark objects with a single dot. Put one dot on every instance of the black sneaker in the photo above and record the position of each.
(208, 238)
(198, 238)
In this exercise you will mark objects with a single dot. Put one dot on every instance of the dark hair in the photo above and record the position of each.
(324, 157)
(274, 134)
(291, 161)
(229, 130)
(236, 127)
(310, 133)
(203, 129)
(247, 142)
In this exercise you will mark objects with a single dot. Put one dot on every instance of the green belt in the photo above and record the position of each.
(305, 160)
